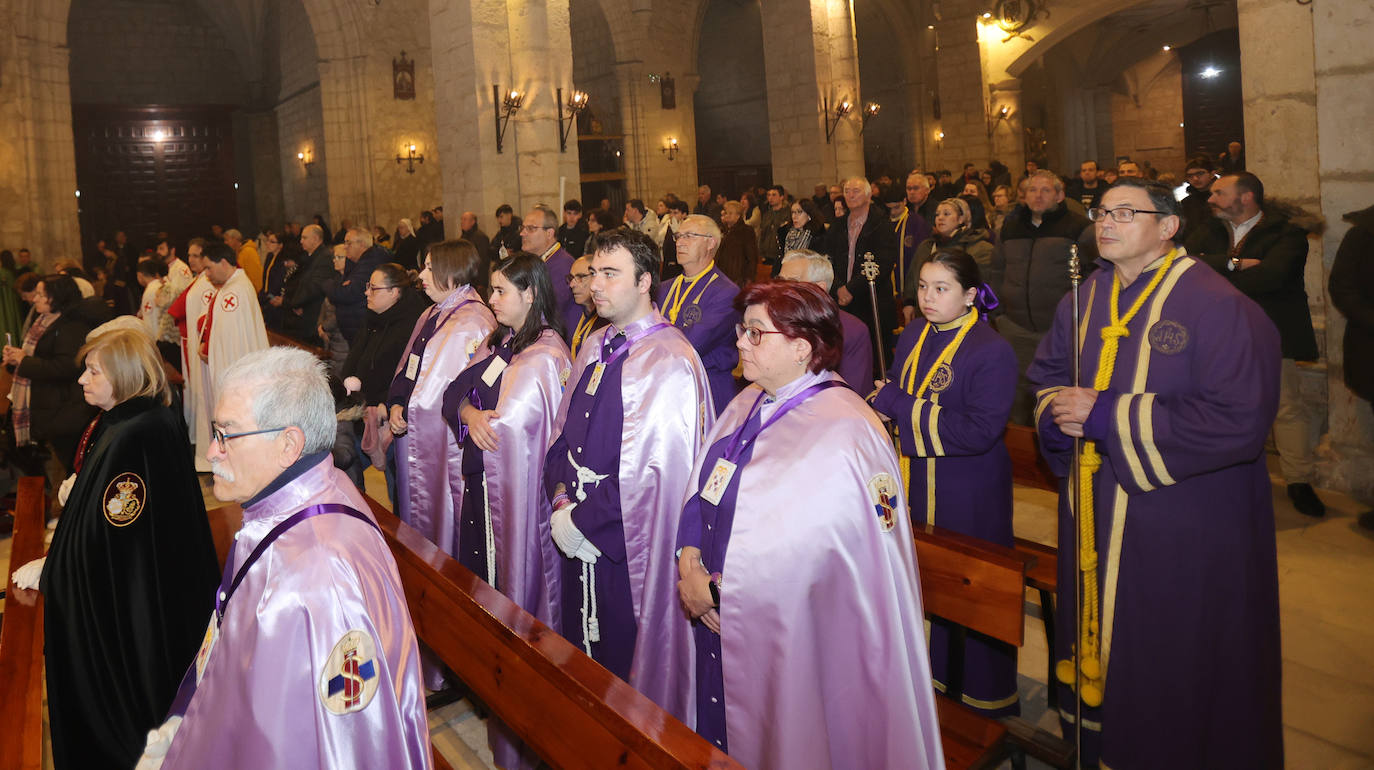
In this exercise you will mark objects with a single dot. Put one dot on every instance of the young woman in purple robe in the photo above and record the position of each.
(950, 390)
(797, 563)
(502, 409)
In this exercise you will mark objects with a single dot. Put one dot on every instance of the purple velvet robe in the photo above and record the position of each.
(501, 490)
(708, 317)
(856, 365)
(428, 458)
(910, 234)
(959, 462)
(642, 428)
(821, 660)
(559, 265)
(261, 699)
(1185, 522)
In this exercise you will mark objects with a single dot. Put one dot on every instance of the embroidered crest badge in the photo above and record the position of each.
(229, 302)
(1168, 337)
(909, 241)
(563, 377)
(690, 315)
(124, 498)
(472, 346)
(944, 375)
(883, 491)
(349, 679)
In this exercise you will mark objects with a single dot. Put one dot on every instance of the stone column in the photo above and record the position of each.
(38, 203)
(1308, 76)
(1007, 142)
(523, 46)
(1344, 75)
(963, 95)
(810, 52)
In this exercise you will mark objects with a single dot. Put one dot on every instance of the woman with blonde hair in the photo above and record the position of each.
(131, 574)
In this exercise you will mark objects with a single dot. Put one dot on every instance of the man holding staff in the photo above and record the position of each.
(1180, 376)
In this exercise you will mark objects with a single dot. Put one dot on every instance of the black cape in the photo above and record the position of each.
(128, 587)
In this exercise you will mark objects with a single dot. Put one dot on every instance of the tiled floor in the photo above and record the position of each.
(1326, 584)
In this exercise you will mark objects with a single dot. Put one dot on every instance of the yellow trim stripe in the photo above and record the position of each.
(1045, 397)
(1088, 724)
(1123, 429)
(937, 446)
(1113, 572)
(976, 702)
(917, 440)
(1146, 405)
(1166, 287)
(1086, 323)
(930, 491)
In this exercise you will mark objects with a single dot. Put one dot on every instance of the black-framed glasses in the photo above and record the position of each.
(573, 278)
(680, 236)
(218, 436)
(370, 287)
(753, 333)
(1122, 214)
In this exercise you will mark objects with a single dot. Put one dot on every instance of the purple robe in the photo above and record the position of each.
(428, 458)
(559, 265)
(642, 430)
(501, 490)
(910, 233)
(856, 364)
(822, 656)
(1185, 522)
(262, 699)
(708, 317)
(953, 438)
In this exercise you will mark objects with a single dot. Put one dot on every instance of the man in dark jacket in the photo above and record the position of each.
(1197, 215)
(303, 292)
(508, 234)
(1263, 252)
(1352, 292)
(347, 289)
(862, 231)
(573, 232)
(1030, 273)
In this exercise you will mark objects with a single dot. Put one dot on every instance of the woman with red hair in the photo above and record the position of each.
(796, 561)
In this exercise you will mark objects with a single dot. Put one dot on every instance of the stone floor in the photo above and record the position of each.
(1326, 584)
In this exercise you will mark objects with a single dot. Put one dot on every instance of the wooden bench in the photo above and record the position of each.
(1042, 561)
(277, 339)
(567, 707)
(970, 584)
(21, 640)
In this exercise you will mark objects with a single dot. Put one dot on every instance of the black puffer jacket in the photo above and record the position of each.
(58, 411)
(374, 353)
(1352, 292)
(1029, 268)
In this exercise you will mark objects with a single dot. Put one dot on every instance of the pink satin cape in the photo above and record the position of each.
(429, 472)
(822, 632)
(527, 561)
(668, 409)
(259, 701)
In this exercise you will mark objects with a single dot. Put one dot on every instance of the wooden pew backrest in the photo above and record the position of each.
(1028, 468)
(21, 640)
(968, 581)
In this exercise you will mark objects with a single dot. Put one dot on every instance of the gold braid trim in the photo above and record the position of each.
(1089, 461)
(908, 381)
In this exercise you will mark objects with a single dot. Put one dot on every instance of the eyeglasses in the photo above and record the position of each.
(532, 228)
(218, 436)
(680, 236)
(1122, 214)
(370, 287)
(754, 333)
(573, 278)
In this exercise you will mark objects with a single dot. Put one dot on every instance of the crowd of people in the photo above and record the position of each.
(687, 437)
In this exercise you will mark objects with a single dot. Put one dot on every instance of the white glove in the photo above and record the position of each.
(587, 552)
(566, 535)
(66, 489)
(352, 384)
(159, 741)
(27, 576)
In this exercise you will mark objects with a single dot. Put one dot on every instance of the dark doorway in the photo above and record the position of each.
(1213, 114)
(149, 169)
(733, 146)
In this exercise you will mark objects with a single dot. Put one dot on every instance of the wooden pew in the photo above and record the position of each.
(277, 339)
(1042, 561)
(21, 640)
(1028, 467)
(979, 586)
(567, 707)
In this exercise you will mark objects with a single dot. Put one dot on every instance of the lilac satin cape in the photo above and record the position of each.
(259, 702)
(667, 411)
(822, 636)
(429, 470)
(527, 561)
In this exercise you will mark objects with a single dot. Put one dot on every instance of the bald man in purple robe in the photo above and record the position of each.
(310, 658)
(856, 365)
(636, 408)
(1187, 575)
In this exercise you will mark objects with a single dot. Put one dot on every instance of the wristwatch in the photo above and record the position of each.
(714, 586)
(1234, 264)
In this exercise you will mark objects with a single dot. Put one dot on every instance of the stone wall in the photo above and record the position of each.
(299, 118)
(731, 104)
(1147, 122)
(150, 52)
